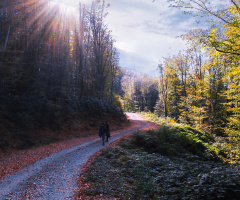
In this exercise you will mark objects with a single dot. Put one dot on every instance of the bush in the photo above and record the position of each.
(175, 141)
(225, 147)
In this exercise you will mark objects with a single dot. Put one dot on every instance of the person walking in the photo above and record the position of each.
(107, 130)
(102, 133)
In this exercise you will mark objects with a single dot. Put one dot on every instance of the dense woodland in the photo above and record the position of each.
(139, 92)
(201, 86)
(55, 64)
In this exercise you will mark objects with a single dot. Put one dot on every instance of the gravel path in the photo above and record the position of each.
(55, 176)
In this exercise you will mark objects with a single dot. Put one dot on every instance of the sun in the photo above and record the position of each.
(71, 6)
(68, 6)
(68, 2)
(73, 3)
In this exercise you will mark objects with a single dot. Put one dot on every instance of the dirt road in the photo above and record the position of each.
(55, 177)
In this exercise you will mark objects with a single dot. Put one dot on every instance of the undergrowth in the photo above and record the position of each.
(175, 141)
(226, 148)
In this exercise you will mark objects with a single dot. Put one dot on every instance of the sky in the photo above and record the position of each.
(145, 31)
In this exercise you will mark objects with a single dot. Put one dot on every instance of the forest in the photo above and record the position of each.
(139, 92)
(201, 85)
(57, 65)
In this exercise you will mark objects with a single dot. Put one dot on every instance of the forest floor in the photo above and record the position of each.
(13, 160)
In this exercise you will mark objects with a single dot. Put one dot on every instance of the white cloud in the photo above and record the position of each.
(145, 32)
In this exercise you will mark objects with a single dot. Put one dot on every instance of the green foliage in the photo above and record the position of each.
(25, 120)
(176, 141)
(225, 148)
(211, 101)
(155, 118)
(203, 82)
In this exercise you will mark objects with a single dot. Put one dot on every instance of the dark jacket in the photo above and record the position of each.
(102, 129)
(107, 128)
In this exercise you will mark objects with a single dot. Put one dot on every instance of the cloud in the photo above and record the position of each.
(145, 32)
(137, 62)
(145, 56)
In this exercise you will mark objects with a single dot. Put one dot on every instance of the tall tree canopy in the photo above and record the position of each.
(53, 60)
(204, 81)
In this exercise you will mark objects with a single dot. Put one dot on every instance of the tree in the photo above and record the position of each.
(164, 84)
(217, 83)
(140, 91)
(52, 63)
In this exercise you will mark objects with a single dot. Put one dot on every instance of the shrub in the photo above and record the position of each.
(175, 141)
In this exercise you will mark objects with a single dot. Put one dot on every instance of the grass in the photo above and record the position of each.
(173, 162)
(135, 174)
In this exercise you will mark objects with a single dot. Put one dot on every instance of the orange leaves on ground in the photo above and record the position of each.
(14, 160)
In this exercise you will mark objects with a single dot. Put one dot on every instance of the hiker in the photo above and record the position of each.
(107, 130)
(102, 133)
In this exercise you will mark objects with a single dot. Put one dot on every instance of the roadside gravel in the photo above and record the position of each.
(55, 176)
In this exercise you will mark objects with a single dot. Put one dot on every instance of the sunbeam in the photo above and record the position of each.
(72, 5)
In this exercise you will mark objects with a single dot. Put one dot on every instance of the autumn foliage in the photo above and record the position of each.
(200, 86)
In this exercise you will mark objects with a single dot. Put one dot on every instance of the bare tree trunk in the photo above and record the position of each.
(82, 48)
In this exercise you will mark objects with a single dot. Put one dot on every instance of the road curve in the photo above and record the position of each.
(55, 177)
